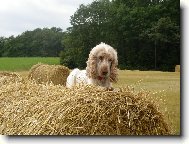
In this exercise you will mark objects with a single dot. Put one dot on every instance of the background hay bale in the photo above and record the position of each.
(36, 109)
(43, 73)
(177, 68)
(9, 77)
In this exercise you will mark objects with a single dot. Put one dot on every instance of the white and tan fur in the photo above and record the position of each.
(101, 68)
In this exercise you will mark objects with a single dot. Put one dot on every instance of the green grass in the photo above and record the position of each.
(24, 63)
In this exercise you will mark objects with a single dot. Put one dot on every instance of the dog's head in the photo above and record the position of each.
(102, 63)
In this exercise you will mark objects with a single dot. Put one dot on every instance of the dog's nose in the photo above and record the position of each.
(104, 73)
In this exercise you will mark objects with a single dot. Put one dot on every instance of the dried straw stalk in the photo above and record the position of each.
(28, 108)
(43, 73)
(177, 68)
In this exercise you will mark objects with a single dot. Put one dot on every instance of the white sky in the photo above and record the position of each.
(17, 16)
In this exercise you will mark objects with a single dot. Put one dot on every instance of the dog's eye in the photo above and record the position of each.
(110, 60)
(100, 57)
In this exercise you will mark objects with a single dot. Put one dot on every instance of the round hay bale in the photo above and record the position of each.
(177, 68)
(38, 109)
(9, 77)
(43, 73)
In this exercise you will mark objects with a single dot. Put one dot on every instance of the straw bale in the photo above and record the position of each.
(43, 73)
(177, 68)
(28, 108)
(9, 77)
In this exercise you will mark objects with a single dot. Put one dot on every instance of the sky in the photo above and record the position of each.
(17, 16)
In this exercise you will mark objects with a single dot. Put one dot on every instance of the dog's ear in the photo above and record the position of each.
(114, 71)
(91, 70)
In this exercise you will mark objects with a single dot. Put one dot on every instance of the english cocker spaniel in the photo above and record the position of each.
(101, 68)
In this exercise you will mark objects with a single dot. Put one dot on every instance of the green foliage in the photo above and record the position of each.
(39, 42)
(133, 27)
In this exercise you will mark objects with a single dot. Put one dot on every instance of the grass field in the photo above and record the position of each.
(24, 63)
(164, 87)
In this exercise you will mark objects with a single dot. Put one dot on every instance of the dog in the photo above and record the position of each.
(101, 68)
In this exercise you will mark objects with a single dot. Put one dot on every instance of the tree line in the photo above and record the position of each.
(145, 33)
(37, 43)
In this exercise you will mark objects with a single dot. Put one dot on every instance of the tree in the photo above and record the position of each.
(2, 41)
(39, 42)
(134, 27)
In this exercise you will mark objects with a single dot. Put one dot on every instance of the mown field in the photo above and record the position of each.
(163, 87)
(24, 63)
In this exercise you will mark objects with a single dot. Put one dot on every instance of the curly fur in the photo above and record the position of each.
(92, 67)
(101, 68)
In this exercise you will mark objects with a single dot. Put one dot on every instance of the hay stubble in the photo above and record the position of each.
(43, 73)
(28, 108)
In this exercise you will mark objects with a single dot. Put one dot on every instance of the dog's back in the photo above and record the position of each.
(75, 77)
